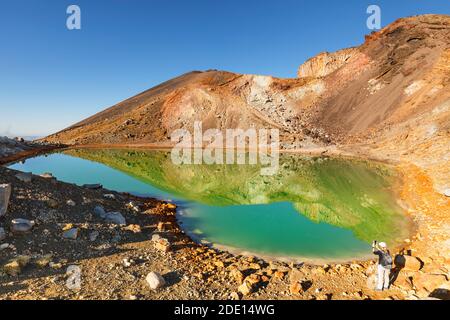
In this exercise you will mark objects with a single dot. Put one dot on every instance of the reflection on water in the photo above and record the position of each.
(316, 207)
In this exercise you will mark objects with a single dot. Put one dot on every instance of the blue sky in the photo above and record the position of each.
(51, 77)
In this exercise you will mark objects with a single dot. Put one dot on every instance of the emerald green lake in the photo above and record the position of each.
(313, 208)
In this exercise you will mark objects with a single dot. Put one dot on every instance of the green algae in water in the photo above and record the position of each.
(313, 207)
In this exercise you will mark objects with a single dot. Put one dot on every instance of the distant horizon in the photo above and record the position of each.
(53, 77)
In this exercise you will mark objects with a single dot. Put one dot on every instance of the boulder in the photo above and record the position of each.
(24, 176)
(14, 266)
(429, 282)
(5, 194)
(2, 234)
(115, 218)
(408, 263)
(70, 234)
(99, 212)
(21, 225)
(155, 280)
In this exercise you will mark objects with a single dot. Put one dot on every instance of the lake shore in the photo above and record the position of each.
(114, 266)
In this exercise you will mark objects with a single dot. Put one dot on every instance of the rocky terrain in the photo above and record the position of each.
(132, 248)
(387, 99)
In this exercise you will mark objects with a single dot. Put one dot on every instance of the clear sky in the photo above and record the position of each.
(51, 77)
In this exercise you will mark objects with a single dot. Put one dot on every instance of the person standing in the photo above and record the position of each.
(384, 265)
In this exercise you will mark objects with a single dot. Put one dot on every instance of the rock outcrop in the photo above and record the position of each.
(325, 63)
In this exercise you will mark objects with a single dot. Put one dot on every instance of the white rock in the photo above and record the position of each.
(71, 203)
(155, 280)
(155, 237)
(447, 192)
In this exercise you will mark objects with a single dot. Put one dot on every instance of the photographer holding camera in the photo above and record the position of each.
(384, 265)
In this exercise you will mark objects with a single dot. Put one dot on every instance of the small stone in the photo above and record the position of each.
(235, 296)
(43, 261)
(21, 225)
(93, 235)
(24, 176)
(71, 234)
(278, 275)
(115, 218)
(135, 228)
(99, 212)
(245, 288)
(12, 268)
(109, 196)
(47, 175)
(55, 265)
(155, 280)
(295, 275)
(254, 266)
(2, 234)
(71, 203)
(295, 288)
(5, 194)
(4, 246)
(15, 266)
(237, 275)
(447, 192)
(52, 203)
(132, 206)
(162, 245)
(155, 237)
(126, 262)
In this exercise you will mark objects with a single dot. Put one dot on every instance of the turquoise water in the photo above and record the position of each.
(314, 208)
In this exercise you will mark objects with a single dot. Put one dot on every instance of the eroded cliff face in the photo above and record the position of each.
(325, 63)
